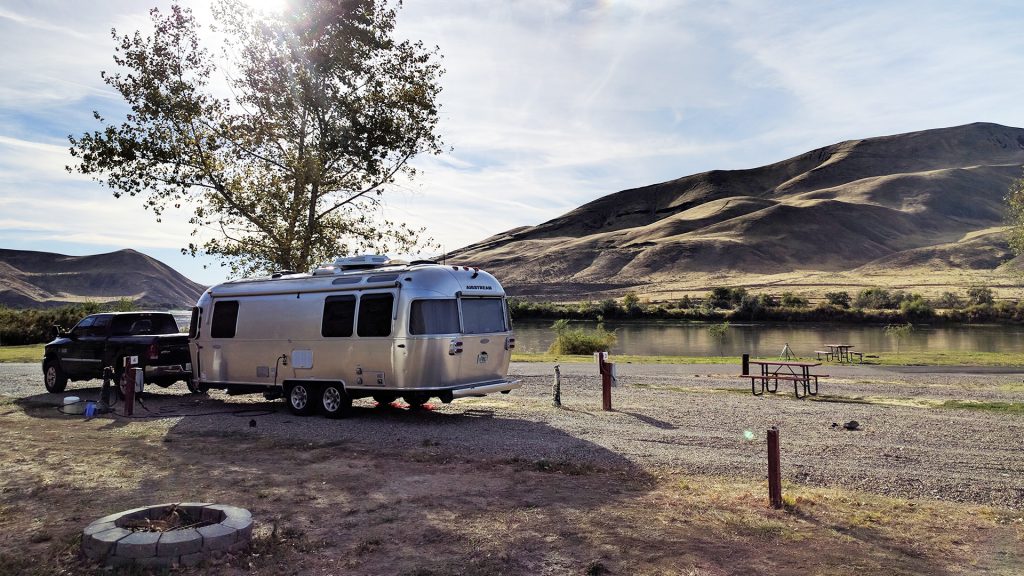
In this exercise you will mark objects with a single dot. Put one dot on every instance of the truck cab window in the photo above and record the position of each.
(339, 315)
(375, 314)
(225, 316)
(483, 315)
(83, 328)
(434, 317)
(101, 327)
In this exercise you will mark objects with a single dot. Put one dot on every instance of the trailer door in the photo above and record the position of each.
(484, 328)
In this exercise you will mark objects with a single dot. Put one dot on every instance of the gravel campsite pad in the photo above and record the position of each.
(914, 437)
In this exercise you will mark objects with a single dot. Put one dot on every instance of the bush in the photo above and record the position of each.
(840, 299)
(33, 326)
(949, 301)
(980, 296)
(790, 300)
(916, 307)
(579, 341)
(880, 299)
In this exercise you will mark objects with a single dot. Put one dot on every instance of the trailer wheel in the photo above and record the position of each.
(416, 399)
(384, 400)
(54, 378)
(301, 398)
(334, 401)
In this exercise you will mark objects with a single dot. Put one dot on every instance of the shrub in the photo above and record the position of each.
(949, 301)
(840, 299)
(750, 307)
(790, 300)
(34, 326)
(916, 307)
(880, 299)
(980, 296)
(579, 341)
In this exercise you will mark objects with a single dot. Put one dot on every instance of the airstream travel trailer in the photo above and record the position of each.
(362, 327)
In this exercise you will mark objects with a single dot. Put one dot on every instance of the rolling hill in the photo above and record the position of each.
(38, 279)
(924, 201)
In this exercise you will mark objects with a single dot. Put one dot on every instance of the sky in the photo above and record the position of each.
(546, 104)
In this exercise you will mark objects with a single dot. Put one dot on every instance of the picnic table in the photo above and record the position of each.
(799, 373)
(842, 352)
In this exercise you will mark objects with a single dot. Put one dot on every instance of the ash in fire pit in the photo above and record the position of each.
(167, 535)
(174, 518)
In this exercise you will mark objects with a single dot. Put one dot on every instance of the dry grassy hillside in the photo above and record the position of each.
(33, 279)
(924, 207)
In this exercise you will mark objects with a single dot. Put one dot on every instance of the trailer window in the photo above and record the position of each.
(483, 315)
(193, 323)
(339, 313)
(225, 316)
(434, 317)
(375, 314)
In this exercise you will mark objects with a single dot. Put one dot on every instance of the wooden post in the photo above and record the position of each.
(746, 364)
(128, 387)
(774, 469)
(606, 381)
(556, 389)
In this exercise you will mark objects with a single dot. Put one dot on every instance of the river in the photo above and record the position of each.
(673, 338)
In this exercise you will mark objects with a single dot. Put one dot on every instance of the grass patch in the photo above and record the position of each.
(625, 359)
(997, 407)
(30, 353)
(948, 358)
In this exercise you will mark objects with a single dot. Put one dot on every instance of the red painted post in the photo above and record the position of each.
(774, 469)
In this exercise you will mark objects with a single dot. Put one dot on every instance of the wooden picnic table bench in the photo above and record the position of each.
(799, 373)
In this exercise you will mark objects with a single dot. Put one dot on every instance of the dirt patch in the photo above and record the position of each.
(421, 509)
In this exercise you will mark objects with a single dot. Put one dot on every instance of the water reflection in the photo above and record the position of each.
(665, 338)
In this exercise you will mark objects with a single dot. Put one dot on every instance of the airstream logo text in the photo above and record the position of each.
(477, 287)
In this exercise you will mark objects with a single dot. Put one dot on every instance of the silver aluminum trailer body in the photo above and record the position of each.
(413, 331)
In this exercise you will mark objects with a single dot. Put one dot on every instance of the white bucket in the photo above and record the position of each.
(73, 405)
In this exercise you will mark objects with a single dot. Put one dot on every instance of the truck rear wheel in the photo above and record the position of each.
(54, 378)
(334, 401)
(301, 397)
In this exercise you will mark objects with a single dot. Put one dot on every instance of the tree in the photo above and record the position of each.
(286, 168)
(1015, 215)
(898, 332)
(718, 333)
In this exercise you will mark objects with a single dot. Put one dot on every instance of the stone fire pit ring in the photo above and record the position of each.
(221, 529)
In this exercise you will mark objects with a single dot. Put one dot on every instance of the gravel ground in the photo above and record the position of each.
(695, 419)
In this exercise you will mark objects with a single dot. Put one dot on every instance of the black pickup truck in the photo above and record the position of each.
(104, 340)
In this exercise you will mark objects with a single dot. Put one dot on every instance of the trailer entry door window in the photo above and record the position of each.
(375, 314)
(339, 315)
(483, 315)
(434, 317)
(225, 316)
(193, 323)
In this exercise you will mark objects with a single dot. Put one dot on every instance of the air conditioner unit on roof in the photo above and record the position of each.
(364, 261)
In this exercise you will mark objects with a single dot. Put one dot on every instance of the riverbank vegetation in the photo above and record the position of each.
(871, 305)
(19, 327)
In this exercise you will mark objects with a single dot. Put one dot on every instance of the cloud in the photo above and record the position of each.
(549, 104)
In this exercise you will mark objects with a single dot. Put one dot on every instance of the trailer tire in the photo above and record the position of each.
(54, 377)
(384, 400)
(416, 399)
(301, 398)
(335, 401)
